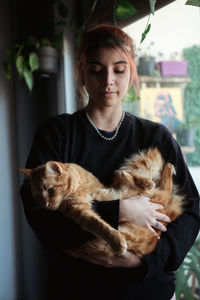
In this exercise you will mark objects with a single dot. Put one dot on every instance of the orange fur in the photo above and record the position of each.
(71, 189)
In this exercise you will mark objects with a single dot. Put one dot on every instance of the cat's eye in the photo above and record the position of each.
(50, 191)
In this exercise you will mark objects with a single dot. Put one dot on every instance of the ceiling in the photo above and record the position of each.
(143, 9)
(104, 11)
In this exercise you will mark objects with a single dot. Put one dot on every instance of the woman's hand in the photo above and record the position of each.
(128, 260)
(140, 211)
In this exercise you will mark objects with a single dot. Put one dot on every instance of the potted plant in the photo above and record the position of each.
(33, 54)
(146, 61)
(185, 134)
(188, 275)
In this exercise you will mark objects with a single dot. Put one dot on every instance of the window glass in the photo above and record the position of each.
(168, 64)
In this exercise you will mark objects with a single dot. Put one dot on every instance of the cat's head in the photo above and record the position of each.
(52, 183)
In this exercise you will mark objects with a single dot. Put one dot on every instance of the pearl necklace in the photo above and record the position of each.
(103, 136)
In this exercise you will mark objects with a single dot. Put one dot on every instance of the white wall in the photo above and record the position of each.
(173, 28)
(10, 238)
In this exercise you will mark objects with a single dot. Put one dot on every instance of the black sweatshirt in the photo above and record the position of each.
(71, 138)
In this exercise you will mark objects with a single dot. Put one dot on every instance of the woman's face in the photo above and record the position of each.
(106, 77)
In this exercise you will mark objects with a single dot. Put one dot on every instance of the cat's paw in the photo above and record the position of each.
(124, 248)
(144, 183)
(119, 245)
(171, 168)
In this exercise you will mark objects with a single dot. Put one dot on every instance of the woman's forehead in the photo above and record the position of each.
(104, 55)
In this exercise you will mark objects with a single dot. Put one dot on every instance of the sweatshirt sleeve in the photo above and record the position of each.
(55, 231)
(181, 234)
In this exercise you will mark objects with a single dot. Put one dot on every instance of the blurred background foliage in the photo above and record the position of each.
(192, 100)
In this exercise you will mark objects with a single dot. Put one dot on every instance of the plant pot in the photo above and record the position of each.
(172, 68)
(185, 137)
(48, 59)
(146, 66)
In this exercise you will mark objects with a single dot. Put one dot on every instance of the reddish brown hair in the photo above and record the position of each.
(110, 36)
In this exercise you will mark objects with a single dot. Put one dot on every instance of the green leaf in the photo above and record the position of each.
(193, 2)
(33, 61)
(28, 77)
(58, 40)
(32, 41)
(7, 69)
(20, 63)
(94, 5)
(124, 9)
(78, 38)
(62, 10)
(144, 34)
(46, 42)
(152, 6)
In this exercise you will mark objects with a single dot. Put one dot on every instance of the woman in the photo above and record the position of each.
(99, 138)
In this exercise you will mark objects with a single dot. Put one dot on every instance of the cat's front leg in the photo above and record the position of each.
(132, 180)
(166, 182)
(84, 216)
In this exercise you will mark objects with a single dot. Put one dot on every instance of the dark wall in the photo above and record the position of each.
(32, 109)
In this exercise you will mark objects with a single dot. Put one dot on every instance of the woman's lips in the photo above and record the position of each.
(108, 93)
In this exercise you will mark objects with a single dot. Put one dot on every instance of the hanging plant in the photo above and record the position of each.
(124, 9)
(23, 55)
(193, 3)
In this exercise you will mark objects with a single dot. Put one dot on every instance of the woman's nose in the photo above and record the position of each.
(108, 78)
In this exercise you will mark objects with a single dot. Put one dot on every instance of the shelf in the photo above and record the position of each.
(159, 81)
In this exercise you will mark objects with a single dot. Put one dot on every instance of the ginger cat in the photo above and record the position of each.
(71, 189)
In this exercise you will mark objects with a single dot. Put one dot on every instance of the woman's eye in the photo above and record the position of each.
(95, 71)
(50, 191)
(119, 71)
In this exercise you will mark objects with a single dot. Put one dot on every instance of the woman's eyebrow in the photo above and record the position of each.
(99, 63)
(120, 62)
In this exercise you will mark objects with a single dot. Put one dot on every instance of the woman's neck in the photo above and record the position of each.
(107, 118)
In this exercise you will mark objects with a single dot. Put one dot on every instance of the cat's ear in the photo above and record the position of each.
(26, 172)
(53, 168)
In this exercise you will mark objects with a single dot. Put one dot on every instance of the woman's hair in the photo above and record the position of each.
(106, 36)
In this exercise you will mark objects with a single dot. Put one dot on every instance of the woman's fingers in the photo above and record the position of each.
(156, 224)
(148, 226)
(162, 217)
(156, 206)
